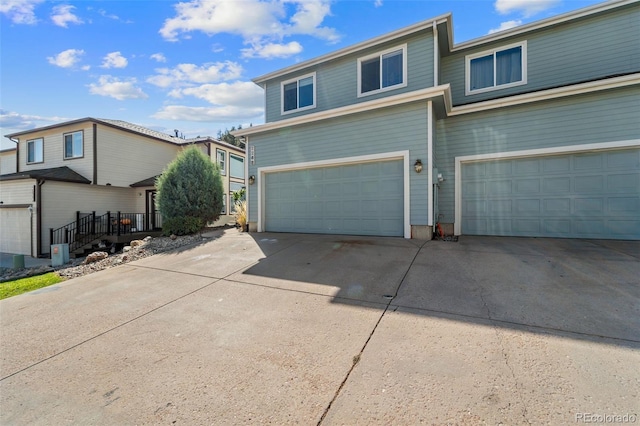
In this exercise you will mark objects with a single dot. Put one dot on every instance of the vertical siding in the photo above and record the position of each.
(7, 162)
(584, 119)
(21, 192)
(585, 49)
(385, 130)
(61, 200)
(336, 80)
(53, 146)
(125, 158)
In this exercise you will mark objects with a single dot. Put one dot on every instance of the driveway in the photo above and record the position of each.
(316, 329)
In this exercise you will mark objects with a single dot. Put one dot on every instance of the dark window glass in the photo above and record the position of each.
(370, 75)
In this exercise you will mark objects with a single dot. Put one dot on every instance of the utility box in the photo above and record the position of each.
(59, 254)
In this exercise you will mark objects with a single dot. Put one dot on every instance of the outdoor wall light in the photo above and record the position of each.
(252, 179)
(418, 166)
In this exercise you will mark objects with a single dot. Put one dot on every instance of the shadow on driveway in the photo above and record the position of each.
(586, 288)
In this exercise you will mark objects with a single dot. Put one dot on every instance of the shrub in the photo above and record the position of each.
(241, 213)
(182, 225)
(190, 193)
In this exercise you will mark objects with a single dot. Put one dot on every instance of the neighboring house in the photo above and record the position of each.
(8, 161)
(532, 131)
(68, 170)
(230, 160)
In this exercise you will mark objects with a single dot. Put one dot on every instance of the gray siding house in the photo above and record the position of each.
(532, 131)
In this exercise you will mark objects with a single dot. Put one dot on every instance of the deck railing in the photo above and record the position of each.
(89, 227)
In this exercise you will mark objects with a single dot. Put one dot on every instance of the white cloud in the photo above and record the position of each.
(208, 114)
(526, 7)
(67, 58)
(14, 120)
(377, 3)
(259, 22)
(114, 60)
(117, 89)
(506, 25)
(159, 57)
(185, 74)
(243, 94)
(20, 11)
(272, 50)
(63, 15)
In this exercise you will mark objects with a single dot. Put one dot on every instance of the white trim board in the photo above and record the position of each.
(396, 155)
(558, 150)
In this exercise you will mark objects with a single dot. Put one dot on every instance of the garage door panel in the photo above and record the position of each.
(358, 199)
(581, 195)
(15, 232)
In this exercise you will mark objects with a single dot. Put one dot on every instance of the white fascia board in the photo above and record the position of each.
(557, 150)
(543, 95)
(404, 98)
(395, 155)
(554, 20)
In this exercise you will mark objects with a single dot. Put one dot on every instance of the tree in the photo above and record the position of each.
(190, 193)
(227, 137)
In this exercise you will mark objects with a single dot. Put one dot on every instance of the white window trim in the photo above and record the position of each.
(297, 80)
(397, 155)
(223, 170)
(42, 146)
(243, 161)
(467, 69)
(538, 152)
(64, 145)
(402, 47)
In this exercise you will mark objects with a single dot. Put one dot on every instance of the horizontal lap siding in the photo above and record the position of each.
(125, 158)
(584, 119)
(337, 80)
(384, 130)
(54, 150)
(588, 49)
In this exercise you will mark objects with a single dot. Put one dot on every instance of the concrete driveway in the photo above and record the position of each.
(314, 329)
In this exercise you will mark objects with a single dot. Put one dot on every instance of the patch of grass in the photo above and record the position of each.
(23, 285)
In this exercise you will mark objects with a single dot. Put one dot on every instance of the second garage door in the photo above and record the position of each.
(15, 235)
(352, 199)
(582, 195)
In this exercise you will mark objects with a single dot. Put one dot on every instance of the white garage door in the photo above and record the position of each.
(585, 195)
(351, 199)
(15, 234)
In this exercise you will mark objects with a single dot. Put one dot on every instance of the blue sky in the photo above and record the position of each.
(188, 65)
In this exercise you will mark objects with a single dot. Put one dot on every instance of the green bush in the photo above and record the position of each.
(190, 193)
(182, 225)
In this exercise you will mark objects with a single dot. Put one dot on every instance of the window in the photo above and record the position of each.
(221, 159)
(299, 94)
(235, 187)
(383, 71)
(73, 146)
(496, 69)
(35, 151)
(236, 166)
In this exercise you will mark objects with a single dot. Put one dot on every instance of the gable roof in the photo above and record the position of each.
(444, 23)
(61, 174)
(146, 182)
(128, 127)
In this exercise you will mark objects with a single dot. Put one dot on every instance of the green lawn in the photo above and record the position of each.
(23, 285)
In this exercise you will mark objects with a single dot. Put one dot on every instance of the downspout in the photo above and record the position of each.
(436, 54)
(17, 142)
(95, 154)
(40, 182)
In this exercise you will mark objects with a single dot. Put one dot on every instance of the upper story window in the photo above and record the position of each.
(496, 69)
(35, 151)
(382, 71)
(299, 94)
(73, 145)
(221, 160)
(236, 166)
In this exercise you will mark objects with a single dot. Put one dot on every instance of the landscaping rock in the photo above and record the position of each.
(126, 249)
(136, 243)
(173, 236)
(96, 256)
